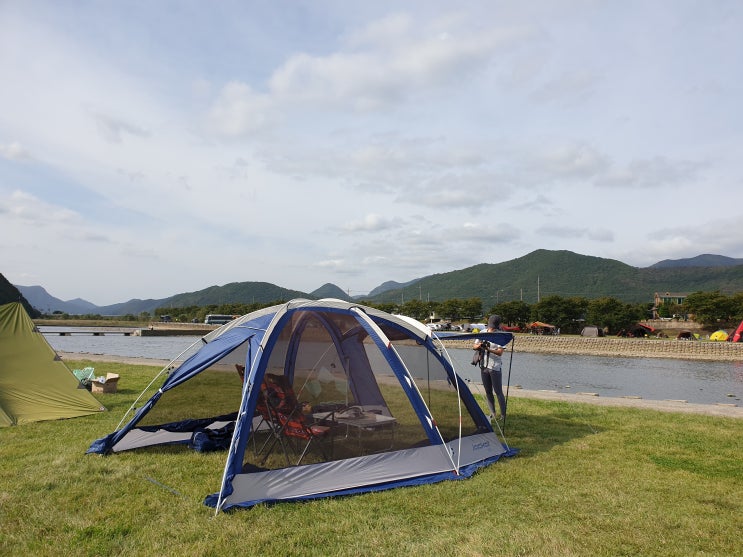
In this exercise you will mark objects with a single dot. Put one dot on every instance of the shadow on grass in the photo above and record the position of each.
(535, 433)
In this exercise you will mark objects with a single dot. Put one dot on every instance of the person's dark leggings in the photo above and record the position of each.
(492, 380)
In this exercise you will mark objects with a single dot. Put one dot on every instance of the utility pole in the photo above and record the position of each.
(538, 296)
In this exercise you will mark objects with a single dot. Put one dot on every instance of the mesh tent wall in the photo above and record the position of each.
(336, 355)
(35, 385)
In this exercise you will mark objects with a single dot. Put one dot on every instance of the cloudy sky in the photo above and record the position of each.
(153, 148)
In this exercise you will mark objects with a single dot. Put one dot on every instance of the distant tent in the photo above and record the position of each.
(719, 336)
(592, 331)
(330, 398)
(737, 336)
(686, 335)
(35, 384)
(640, 330)
(537, 327)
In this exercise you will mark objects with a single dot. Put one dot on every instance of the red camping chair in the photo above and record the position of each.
(264, 423)
(279, 407)
(240, 371)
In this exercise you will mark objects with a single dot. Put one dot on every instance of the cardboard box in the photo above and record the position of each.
(109, 386)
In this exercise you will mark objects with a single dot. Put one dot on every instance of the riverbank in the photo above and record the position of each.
(622, 347)
(722, 410)
(682, 406)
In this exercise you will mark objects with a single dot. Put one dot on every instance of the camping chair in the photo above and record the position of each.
(290, 427)
(261, 419)
(240, 371)
(267, 423)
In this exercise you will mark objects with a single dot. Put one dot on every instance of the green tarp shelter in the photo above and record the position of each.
(35, 384)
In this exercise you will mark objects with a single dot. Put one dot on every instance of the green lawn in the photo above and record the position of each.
(589, 480)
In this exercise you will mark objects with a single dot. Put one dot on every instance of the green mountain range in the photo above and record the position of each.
(235, 292)
(567, 274)
(528, 278)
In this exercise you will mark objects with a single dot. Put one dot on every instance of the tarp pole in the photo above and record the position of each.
(248, 385)
(508, 383)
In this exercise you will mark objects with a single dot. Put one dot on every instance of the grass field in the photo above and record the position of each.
(589, 480)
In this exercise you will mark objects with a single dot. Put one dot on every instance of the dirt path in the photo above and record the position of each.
(83, 356)
(725, 410)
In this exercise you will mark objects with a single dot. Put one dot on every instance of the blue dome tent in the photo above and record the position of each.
(319, 398)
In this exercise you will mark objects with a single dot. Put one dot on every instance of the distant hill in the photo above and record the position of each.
(330, 290)
(235, 292)
(528, 278)
(39, 298)
(704, 260)
(389, 285)
(567, 274)
(134, 306)
(10, 293)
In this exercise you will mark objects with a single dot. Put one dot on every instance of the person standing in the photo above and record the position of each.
(491, 369)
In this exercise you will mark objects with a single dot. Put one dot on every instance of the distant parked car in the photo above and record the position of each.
(166, 318)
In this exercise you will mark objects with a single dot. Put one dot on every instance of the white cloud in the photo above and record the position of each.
(571, 87)
(385, 65)
(14, 152)
(573, 161)
(653, 173)
(593, 234)
(114, 129)
(371, 223)
(25, 207)
(238, 110)
(363, 145)
(330, 264)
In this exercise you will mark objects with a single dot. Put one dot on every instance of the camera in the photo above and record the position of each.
(485, 344)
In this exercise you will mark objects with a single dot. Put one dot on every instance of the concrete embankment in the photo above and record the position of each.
(175, 329)
(623, 347)
(549, 344)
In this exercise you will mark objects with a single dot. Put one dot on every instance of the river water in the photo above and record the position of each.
(703, 382)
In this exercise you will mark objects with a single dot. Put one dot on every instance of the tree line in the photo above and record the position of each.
(570, 314)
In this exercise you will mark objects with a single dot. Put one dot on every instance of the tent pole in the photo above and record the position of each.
(149, 386)
(459, 398)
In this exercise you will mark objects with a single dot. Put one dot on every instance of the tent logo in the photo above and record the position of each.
(480, 446)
